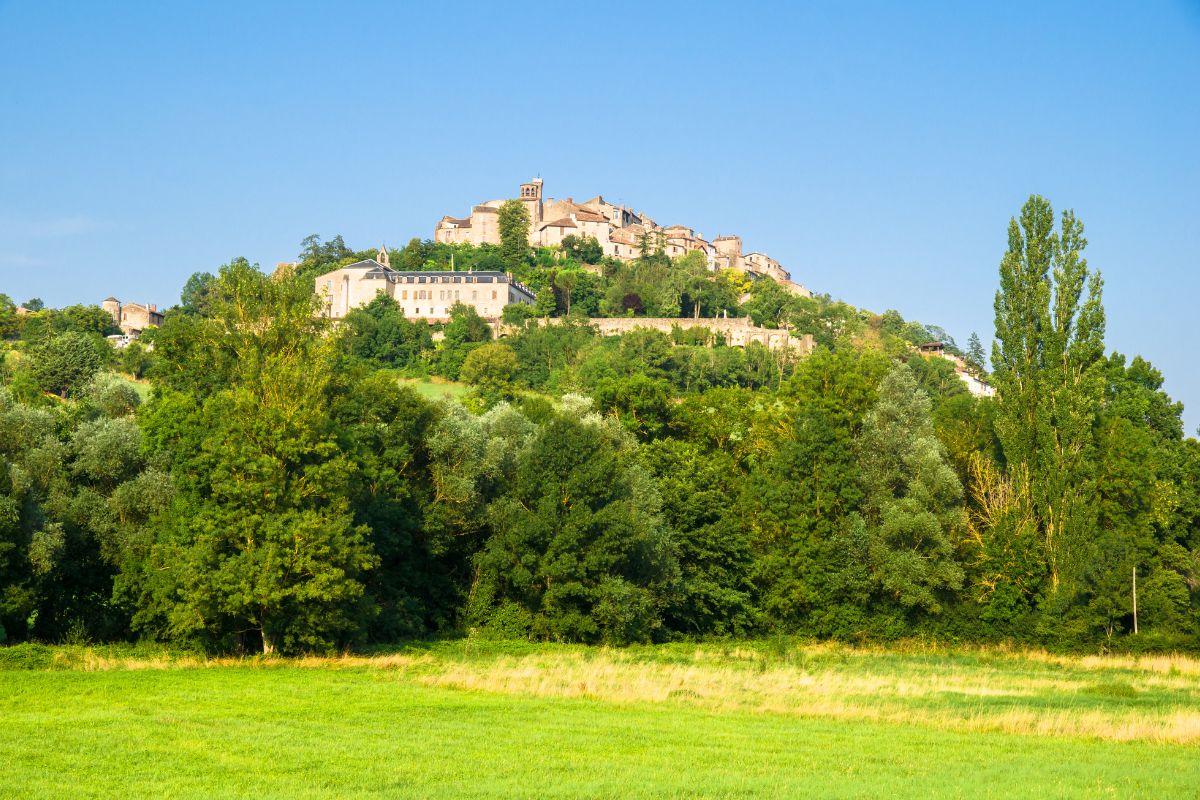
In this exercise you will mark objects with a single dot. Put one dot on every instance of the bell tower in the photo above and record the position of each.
(531, 196)
(382, 256)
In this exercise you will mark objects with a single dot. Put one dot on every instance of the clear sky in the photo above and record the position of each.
(876, 150)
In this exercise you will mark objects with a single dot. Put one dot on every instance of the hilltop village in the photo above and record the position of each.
(620, 232)
(629, 241)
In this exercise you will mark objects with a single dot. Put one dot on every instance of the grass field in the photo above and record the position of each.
(437, 389)
(487, 720)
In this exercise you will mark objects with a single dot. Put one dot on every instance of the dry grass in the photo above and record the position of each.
(1118, 698)
(946, 697)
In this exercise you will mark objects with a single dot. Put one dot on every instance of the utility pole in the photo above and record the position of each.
(1135, 598)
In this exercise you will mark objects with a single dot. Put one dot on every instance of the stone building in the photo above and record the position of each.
(132, 318)
(422, 294)
(618, 229)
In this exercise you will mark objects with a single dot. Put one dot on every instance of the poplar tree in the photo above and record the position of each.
(1046, 362)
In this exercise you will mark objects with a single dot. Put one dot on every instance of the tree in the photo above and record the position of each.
(545, 304)
(1045, 360)
(135, 359)
(565, 281)
(379, 333)
(911, 511)
(465, 331)
(578, 550)
(65, 363)
(584, 249)
(517, 313)
(34, 304)
(317, 257)
(641, 404)
(491, 369)
(976, 359)
(714, 595)
(261, 540)
(195, 296)
(513, 219)
(10, 323)
(794, 504)
(84, 319)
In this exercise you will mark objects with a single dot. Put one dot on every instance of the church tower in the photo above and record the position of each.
(531, 196)
(382, 256)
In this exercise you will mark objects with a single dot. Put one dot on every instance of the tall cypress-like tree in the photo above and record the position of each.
(514, 233)
(1046, 369)
(975, 355)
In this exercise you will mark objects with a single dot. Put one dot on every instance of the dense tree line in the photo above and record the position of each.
(284, 489)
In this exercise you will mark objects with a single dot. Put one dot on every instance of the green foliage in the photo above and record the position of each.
(378, 333)
(491, 369)
(584, 249)
(975, 357)
(578, 541)
(795, 505)
(316, 258)
(65, 363)
(465, 331)
(911, 511)
(112, 396)
(513, 221)
(285, 489)
(196, 293)
(261, 537)
(714, 595)
(1047, 372)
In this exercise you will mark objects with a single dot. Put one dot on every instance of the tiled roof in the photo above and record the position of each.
(368, 263)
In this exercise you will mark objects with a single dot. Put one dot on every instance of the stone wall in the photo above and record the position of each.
(737, 331)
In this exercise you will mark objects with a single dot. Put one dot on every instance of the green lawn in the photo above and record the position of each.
(437, 389)
(143, 388)
(411, 725)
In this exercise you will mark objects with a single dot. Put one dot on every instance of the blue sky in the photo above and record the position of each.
(877, 150)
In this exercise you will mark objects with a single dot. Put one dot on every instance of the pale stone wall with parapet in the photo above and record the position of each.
(737, 331)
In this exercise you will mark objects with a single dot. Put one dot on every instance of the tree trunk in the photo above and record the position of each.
(1135, 629)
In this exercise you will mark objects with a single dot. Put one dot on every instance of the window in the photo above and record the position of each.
(474, 295)
(493, 294)
(456, 295)
(404, 294)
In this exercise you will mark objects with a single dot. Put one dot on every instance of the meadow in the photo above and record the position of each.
(471, 719)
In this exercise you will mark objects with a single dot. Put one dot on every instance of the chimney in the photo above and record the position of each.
(153, 308)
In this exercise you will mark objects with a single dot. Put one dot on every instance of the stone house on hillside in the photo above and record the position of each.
(422, 294)
(975, 385)
(132, 318)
